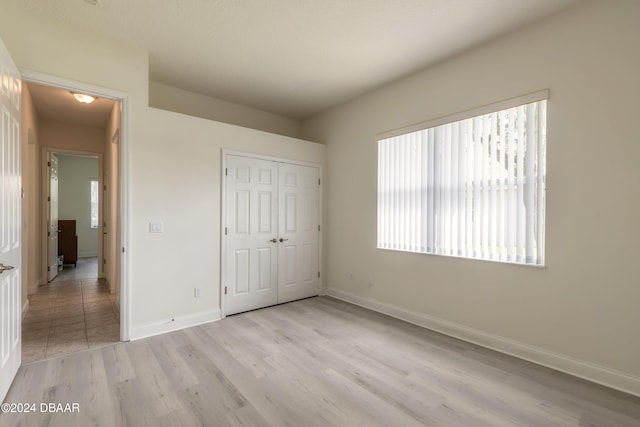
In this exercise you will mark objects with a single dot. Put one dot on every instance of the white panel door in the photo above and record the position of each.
(298, 232)
(251, 205)
(10, 220)
(52, 232)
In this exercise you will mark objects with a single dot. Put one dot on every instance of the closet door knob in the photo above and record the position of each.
(283, 239)
(274, 240)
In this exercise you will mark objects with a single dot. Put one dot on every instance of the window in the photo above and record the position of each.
(470, 186)
(94, 203)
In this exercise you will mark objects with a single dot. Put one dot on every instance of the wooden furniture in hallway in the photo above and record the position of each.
(68, 241)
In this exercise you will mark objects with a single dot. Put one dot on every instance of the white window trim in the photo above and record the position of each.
(407, 210)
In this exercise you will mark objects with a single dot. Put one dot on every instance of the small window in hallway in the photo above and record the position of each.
(94, 203)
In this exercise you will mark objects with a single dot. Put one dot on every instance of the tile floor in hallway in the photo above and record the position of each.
(85, 268)
(69, 316)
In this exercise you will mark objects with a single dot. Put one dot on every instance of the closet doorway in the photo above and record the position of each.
(271, 231)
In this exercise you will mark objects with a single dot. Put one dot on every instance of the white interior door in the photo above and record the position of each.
(10, 220)
(52, 232)
(251, 193)
(298, 232)
(271, 250)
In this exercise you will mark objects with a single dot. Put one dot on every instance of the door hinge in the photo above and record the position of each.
(48, 198)
(318, 227)
(48, 234)
(104, 261)
(48, 268)
(318, 274)
(49, 164)
(318, 181)
(104, 187)
(226, 171)
(225, 231)
(122, 250)
(225, 290)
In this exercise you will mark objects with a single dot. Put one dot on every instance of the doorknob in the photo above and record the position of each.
(283, 239)
(274, 240)
(5, 267)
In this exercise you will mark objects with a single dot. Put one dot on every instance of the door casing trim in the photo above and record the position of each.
(123, 170)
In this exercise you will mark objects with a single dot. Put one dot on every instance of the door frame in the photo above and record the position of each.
(45, 203)
(124, 214)
(223, 223)
(45, 208)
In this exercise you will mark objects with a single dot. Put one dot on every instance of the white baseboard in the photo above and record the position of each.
(156, 328)
(111, 288)
(87, 254)
(25, 307)
(33, 288)
(598, 374)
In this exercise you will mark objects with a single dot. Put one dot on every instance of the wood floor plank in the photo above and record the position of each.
(314, 362)
(175, 368)
(247, 417)
(117, 363)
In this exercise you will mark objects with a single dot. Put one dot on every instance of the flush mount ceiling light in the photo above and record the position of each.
(81, 97)
(92, 2)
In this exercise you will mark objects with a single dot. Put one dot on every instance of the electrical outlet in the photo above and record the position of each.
(197, 292)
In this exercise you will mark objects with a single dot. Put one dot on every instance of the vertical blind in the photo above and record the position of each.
(472, 188)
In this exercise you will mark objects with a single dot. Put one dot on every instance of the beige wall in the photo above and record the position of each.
(74, 198)
(583, 306)
(65, 137)
(31, 204)
(194, 104)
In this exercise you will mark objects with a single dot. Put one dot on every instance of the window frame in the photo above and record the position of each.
(94, 205)
(537, 260)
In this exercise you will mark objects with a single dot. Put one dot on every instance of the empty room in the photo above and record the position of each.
(313, 213)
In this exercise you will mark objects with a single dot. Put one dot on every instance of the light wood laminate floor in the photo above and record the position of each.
(315, 362)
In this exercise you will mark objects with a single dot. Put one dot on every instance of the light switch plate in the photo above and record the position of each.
(155, 227)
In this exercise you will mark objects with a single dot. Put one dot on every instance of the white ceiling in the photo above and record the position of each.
(295, 57)
(60, 105)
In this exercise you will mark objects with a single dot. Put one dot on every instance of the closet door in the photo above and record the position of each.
(251, 205)
(298, 237)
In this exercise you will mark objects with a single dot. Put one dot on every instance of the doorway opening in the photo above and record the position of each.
(77, 214)
(73, 210)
